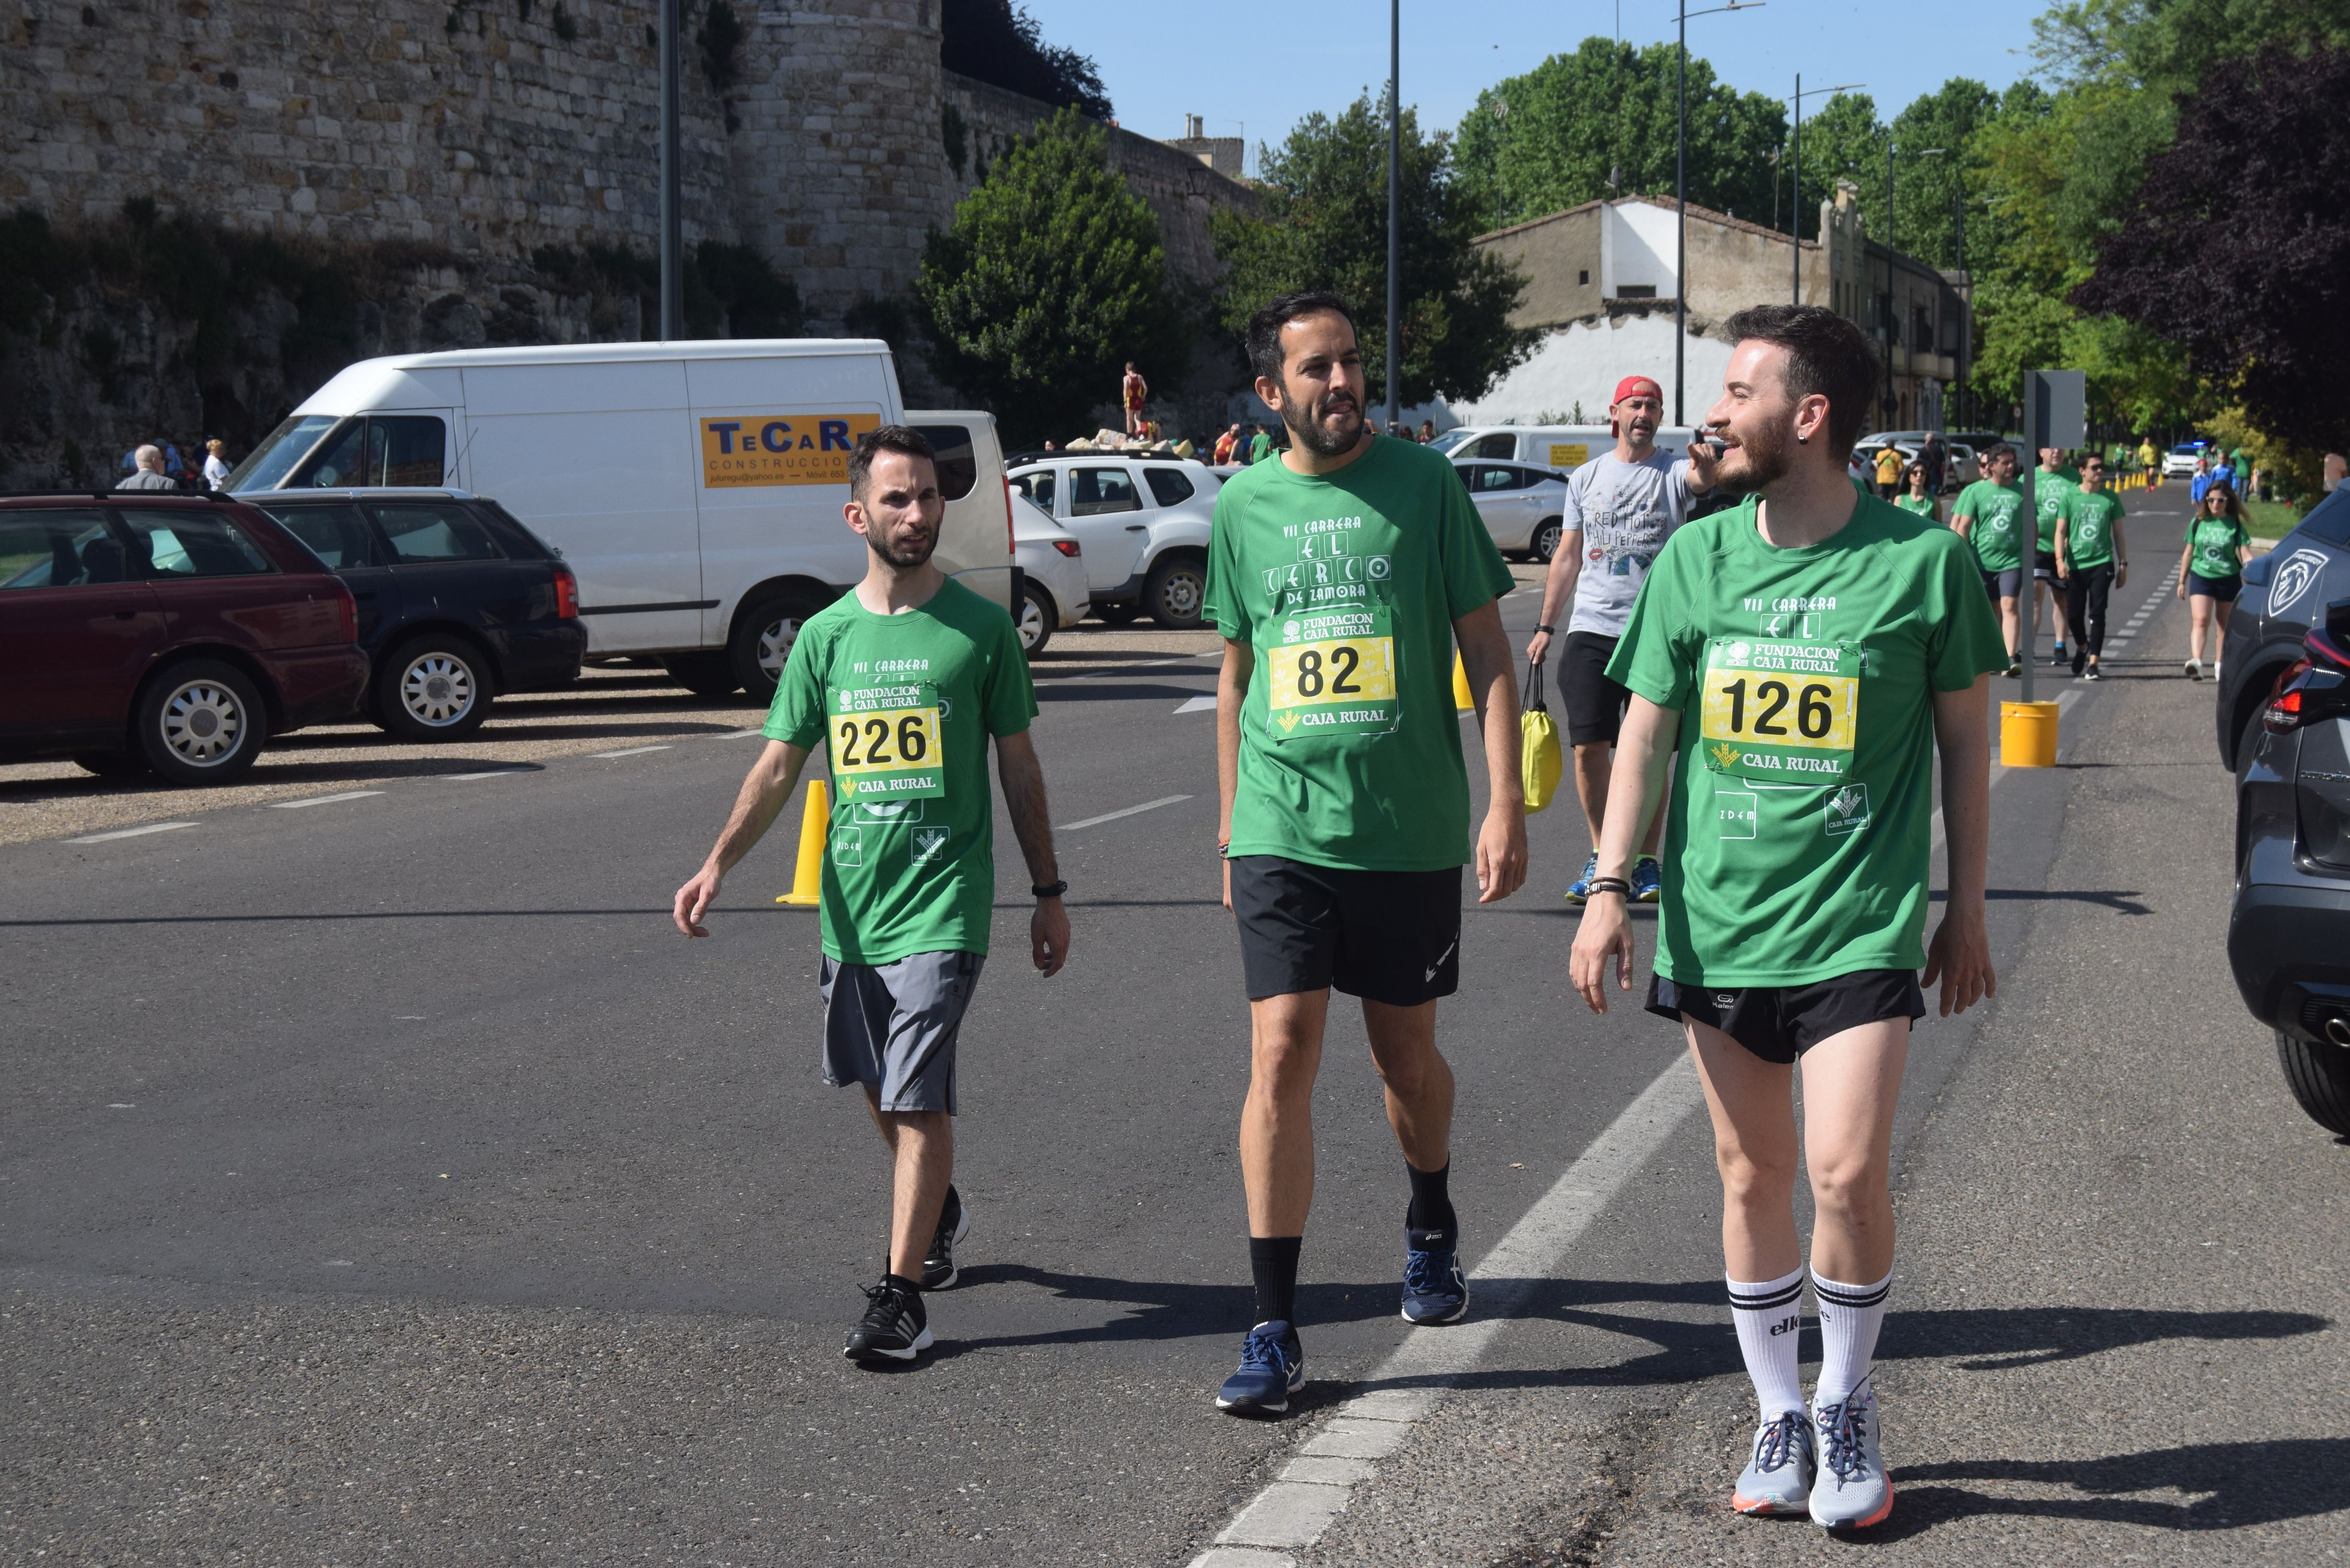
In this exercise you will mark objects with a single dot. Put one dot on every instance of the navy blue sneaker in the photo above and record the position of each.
(1433, 1290)
(1648, 880)
(1580, 888)
(1273, 1367)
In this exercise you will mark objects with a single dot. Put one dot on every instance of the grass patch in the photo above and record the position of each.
(2271, 519)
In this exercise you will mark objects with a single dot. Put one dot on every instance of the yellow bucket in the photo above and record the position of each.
(2027, 734)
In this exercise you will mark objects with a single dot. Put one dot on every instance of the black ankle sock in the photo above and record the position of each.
(900, 1283)
(1273, 1260)
(1431, 1200)
(950, 1210)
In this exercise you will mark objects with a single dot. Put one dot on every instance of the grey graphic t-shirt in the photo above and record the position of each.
(1624, 511)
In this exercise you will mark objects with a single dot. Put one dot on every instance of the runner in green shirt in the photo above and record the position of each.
(2090, 558)
(905, 678)
(1988, 515)
(2055, 482)
(1810, 655)
(1341, 577)
(2211, 573)
(1917, 498)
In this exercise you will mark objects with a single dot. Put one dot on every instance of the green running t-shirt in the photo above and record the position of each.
(2089, 527)
(2213, 541)
(905, 704)
(2048, 492)
(1993, 532)
(1923, 505)
(1798, 826)
(1346, 585)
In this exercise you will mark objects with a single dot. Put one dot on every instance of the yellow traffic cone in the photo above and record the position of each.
(1461, 697)
(807, 876)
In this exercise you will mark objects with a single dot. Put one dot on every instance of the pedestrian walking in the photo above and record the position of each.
(217, 469)
(2050, 486)
(1918, 497)
(1986, 515)
(905, 677)
(2211, 573)
(146, 464)
(1620, 509)
(1225, 443)
(1889, 463)
(2093, 559)
(1796, 856)
(1426, 432)
(1340, 576)
(1259, 445)
(1935, 457)
(1133, 392)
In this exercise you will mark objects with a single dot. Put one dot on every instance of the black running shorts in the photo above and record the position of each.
(2044, 567)
(1384, 936)
(1780, 1022)
(1594, 704)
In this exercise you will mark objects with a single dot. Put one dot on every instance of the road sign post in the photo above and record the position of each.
(2055, 407)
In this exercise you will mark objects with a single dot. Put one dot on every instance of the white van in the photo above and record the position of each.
(1563, 447)
(695, 489)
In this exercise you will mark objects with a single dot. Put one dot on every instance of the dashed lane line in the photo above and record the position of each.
(128, 832)
(1114, 815)
(1199, 704)
(631, 752)
(486, 773)
(323, 799)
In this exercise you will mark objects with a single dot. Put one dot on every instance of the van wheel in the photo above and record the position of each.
(2319, 1076)
(1037, 618)
(763, 641)
(703, 674)
(1176, 593)
(199, 722)
(1546, 540)
(434, 687)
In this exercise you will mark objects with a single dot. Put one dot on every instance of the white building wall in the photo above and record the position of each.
(1581, 363)
(1636, 248)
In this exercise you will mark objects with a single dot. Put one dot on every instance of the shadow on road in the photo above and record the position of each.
(2231, 1485)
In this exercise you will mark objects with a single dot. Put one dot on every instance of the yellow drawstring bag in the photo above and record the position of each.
(1540, 762)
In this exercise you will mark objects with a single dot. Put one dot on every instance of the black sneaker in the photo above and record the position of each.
(955, 1224)
(895, 1326)
(2080, 659)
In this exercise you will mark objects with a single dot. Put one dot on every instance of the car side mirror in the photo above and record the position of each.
(2257, 570)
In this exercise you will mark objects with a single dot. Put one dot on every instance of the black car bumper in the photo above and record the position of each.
(2289, 948)
(541, 657)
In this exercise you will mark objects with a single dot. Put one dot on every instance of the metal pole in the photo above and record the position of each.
(1680, 226)
(1966, 322)
(2027, 614)
(1795, 218)
(672, 231)
(1885, 313)
(1394, 211)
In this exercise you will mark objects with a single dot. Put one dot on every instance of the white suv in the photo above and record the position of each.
(1143, 522)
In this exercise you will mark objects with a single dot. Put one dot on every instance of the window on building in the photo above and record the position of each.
(1636, 291)
(1583, 279)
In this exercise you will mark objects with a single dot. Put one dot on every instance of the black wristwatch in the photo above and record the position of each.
(1054, 892)
(1547, 630)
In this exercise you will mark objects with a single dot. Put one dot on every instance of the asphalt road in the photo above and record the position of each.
(385, 1179)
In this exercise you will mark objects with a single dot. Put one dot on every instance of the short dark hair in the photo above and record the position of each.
(903, 440)
(1826, 356)
(1264, 327)
(2000, 449)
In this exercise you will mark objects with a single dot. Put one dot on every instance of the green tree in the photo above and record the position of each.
(1325, 226)
(1842, 140)
(1600, 123)
(1052, 276)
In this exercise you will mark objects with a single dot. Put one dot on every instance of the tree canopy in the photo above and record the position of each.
(1325, 226)
(998, 42)
(1051, 278)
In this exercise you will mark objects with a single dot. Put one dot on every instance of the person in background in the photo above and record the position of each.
(1259, 445)
(1937, 458)
(2241, 467)
(2055, 480)
(1133, 392)
(1225, 443)
(2211, 572)
(1888, 471)
(1426, 432)
(150, 474)
(2337, 468)
(1920, 496)
(2148, 458)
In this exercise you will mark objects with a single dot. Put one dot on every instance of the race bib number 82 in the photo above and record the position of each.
(1780, 709)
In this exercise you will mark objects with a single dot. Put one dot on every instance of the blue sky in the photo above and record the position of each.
(1235, 61)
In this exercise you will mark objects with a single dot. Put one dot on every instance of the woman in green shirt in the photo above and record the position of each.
(2210, 571)
(1916, 497)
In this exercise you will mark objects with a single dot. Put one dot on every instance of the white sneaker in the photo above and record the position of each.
(2194, 670)
(1851, 1491)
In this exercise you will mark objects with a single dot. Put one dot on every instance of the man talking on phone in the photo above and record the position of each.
(1620, 508)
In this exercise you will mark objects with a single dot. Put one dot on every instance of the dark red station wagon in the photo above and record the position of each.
(149, 629)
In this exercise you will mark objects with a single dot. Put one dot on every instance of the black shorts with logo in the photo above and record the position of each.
(1780, 1022)
(1384, 936)
(1594, 704)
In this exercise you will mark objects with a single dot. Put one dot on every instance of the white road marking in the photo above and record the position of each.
(738, 734)
(1114, 815)
(631, 752)
(1199, 704)
(488, 774)
(1119, 673)
(322, 799)
(128, 832)
(1292, 1511)
(119, 1105)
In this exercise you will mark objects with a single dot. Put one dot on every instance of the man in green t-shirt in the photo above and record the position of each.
(2093, 560)
(905, 678)
(1809, 654)
(1340, 576)
(1988, 514)
(2055, 482)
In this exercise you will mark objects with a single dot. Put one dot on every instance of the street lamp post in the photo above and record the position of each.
(1887, 323)
(1795, 148)
(1395, 208)
(1681, 199)
(672, 231)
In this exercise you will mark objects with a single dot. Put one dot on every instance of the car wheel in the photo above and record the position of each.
(2319, 1076)
(763, 641)
(1121, 613)
(113, 765)
(199, 722)
(1176, 593)
(1037, 618)
(703, 674)
(1546, 541)
(433, 687)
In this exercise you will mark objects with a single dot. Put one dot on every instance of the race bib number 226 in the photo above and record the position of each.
(886, 744)
(1780, 709)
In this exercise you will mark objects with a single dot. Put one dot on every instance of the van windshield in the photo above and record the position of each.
(270, 461)
(1451, 438)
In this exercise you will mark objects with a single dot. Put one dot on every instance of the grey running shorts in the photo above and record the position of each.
(1780, 1022)
(892, 1027)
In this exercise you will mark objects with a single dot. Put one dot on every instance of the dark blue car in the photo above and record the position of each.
(2284, 727)
(457, 601)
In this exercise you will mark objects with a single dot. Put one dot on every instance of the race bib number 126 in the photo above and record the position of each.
(1780, 710)
(887, 743)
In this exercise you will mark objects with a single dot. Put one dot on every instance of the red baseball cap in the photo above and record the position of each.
(1632, 386)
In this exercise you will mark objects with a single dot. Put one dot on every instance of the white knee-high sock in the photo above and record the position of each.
(1850, 1316)
(1768, 1314)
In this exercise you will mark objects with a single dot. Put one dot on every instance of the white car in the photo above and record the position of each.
(1524, 507)
(2178, 462)
(1051, 579)
(1143, 524)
